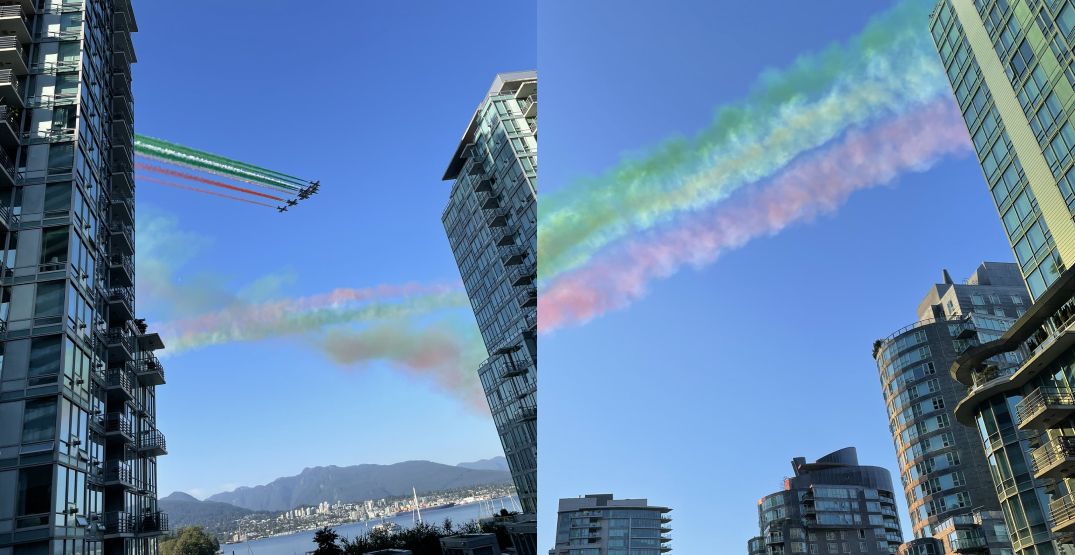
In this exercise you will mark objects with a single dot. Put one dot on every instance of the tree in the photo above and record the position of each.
(325, 539)
(192, 540)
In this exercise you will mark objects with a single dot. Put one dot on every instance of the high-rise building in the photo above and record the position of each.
(598, 524)
(833, 505)
(491, 222)
(1010, 67)
(78, 439)
(939, 460)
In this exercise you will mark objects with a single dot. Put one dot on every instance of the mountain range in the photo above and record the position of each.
(352, 483)
(186, 510)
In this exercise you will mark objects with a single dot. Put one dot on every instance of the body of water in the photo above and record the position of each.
(301, 542)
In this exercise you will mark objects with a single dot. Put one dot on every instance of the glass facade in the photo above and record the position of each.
(601, 525)
(829, 507)
(938, 458)
(78, 439)
(491, 225)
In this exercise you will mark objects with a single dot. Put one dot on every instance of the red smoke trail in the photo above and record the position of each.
(179, 174)
(817, 184)
(195, 189)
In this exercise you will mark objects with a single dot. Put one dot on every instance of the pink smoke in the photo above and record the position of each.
(816, 184)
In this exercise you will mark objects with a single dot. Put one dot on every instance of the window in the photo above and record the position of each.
(44, 360)
(61, 158)
(39, 420)
(54, 245)
(33, 495)
(57, 197)
(49, 301)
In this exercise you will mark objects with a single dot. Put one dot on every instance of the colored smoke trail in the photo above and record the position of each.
(150, 179)
(181, 155)
(447, 354)
(816, 184)
(288, 317)
(182, 175)
(890, 68)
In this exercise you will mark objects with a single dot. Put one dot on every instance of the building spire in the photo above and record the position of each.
(947, 278)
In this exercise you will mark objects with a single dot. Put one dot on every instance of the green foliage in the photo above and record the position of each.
(423, 539)
(325, 539)
(192, 540)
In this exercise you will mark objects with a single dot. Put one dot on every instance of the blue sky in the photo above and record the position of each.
(699, 395)
(370, 98)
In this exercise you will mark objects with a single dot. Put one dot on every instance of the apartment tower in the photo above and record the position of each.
(491, 222)
(940, 460)
(599, 524)
(78, 439)
(1010, 66)
(832, 505)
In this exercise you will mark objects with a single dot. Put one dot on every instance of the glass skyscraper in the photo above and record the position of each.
(78, 439)
(491, 222)
(601, 525)
(939, 460)
(1011, 64)
(832, 505)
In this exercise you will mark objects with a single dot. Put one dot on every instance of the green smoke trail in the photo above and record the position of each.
(162, 144)
(180, 155)
(276, 319)
(889, 68)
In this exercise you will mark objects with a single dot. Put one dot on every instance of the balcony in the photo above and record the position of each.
(119, 383)
(148, 370)
(1063, 515)
(10, 88)
(118, 426)
(488, 201)
(121, 87)
(121, 237)
(153, 524)
(527, 414)
(121, 44)
(523, 275)
(503, 237)
(123, 185)
(122, 132)
(122, 158)
(11, 55)
(513, 255)
(121, 270)
(476, 168)
(120, 306)
(484, 185)
(531, 107)
(118, 524)
(497, 218)
(969, 544)
(510, 369)
(1045, 407)
(152, 443)
(13, 23)
(527, 297)
(9, 125)
(122, 211)
(1055, 459)
(119, 474)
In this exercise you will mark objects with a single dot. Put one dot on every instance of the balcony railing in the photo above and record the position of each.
(118, 337)
(118, 472)
(497, 218)
(116, 423)
(118, 522)
(1063, 514)
(524, 275)
(527, 413)
(968, 543)
(120, 380)
(149, 369)
(153, 523)
(1045, 406)
(513, 255)
(153, 442)
(1054, 459)
(527, 297)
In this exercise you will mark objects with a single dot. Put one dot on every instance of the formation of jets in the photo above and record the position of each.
(304, 193)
